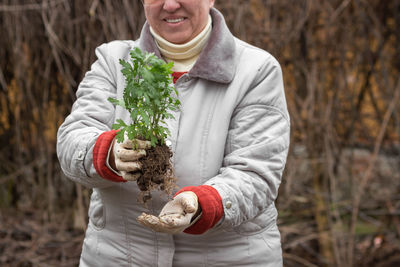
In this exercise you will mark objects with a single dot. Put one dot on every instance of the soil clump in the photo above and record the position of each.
(157, 172)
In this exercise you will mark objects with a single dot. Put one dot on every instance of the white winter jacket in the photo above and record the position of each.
(232, 133)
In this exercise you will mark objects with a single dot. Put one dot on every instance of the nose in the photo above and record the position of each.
(171, 5)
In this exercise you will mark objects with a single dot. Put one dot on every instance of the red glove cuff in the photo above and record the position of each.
(211, 205)
(100, 152)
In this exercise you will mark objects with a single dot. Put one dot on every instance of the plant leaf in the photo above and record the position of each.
(148, 96)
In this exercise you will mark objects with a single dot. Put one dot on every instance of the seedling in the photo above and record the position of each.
(149, 97)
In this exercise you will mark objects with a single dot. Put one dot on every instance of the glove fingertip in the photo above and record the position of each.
(190, 208)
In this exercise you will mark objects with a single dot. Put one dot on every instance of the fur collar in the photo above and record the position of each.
(217, 61)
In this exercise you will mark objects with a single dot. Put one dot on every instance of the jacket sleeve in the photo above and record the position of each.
(256, 149)
(91, 115)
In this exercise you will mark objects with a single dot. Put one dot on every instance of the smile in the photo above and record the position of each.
(174, 20)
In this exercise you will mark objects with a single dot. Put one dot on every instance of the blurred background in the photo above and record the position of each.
(339, 202)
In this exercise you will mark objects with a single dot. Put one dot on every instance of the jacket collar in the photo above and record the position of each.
(216, 62)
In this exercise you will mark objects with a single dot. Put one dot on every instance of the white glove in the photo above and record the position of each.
(126, 155)
(176, 215)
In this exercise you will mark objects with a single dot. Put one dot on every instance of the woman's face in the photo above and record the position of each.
(177, 21)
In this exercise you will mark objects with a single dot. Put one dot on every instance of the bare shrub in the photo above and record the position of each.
(341, 66)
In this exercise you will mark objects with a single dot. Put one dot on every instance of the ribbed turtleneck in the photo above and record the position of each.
(183, 55)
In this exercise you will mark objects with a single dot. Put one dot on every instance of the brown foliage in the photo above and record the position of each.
(341, 68)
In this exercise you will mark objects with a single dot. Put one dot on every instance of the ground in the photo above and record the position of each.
(27, 241)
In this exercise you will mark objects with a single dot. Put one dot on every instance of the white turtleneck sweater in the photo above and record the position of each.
(183, 55)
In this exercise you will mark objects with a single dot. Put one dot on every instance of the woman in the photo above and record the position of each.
(230, 142)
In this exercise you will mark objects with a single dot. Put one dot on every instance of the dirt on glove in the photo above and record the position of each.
(157, 172)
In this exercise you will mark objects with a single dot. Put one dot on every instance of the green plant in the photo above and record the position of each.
(148, 96)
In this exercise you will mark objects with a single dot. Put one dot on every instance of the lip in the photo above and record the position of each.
(175, 20)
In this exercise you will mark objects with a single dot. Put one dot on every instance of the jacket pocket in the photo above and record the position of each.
(97, 211)
(272, 240)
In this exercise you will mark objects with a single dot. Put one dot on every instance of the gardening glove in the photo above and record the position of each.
(126, 156)
(176, 216)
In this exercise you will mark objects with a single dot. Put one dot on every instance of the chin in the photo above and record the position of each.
(176, 37)
(177, 40)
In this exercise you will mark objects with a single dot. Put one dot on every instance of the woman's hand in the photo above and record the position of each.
(125, 156)
(177, 215)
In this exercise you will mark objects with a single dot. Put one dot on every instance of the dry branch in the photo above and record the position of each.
(341, 66)
(30, 7)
